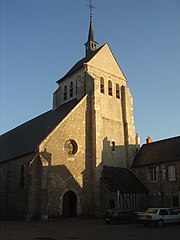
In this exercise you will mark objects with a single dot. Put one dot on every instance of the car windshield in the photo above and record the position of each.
(152, 210)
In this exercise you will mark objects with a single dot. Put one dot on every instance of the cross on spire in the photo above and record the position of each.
(91, 44)
(91, 9)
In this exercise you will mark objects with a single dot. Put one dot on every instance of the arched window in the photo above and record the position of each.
(65, 92)
(71, 89)
(102, 84)
(117, 90)
(76, 86)
(110, 88)
(22, 176)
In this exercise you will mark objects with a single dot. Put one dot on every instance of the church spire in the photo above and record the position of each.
(91, 44)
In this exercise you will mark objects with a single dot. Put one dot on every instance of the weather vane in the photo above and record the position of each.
(91, 8)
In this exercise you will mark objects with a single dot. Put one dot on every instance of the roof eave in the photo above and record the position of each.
(19, 156)
(67, 76)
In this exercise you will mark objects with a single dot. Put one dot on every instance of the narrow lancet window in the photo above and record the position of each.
(76, 86)
(102, 84)
(71, 89)
(65, 92)
(117, 91)
(110, 88)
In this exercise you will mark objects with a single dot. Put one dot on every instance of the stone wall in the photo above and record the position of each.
(78, 90)
(162, 191)
(112, 116)
(69, 172)
(14, 187)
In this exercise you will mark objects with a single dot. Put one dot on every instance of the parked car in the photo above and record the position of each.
(158, 216)
(116, 215)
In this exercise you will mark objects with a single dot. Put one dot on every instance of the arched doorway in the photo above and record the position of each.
(69, 204)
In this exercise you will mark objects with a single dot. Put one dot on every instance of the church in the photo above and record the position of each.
(75, 159)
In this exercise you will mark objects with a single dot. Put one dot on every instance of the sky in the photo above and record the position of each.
(40, 40)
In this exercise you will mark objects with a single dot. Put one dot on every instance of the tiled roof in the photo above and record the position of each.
(121, 179)
(166, 150)
(26, 138)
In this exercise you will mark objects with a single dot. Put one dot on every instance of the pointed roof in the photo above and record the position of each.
(26, 138)
(91, 44)
(80, 64)
(90, 58)
(91, 33)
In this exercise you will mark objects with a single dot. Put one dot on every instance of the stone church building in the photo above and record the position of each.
(74, 160)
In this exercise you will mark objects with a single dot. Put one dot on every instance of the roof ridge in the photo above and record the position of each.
(80, 64)
(28, 121)
(26, 137)
(162, 140)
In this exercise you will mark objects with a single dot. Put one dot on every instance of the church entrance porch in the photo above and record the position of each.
(70, 204)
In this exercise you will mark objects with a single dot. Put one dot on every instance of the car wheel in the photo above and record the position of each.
(160, 223)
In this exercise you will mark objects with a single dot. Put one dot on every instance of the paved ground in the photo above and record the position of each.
(84, 230)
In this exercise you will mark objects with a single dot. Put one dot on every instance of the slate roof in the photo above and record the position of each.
(166, 150)
(26, 138)
(121, 179)
(91, 33)
(80, 64)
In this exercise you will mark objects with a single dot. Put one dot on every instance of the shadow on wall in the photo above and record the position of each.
(54, 192)
(117, 156)
(119, 185)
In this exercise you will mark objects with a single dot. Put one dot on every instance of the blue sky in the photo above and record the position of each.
(40, 40)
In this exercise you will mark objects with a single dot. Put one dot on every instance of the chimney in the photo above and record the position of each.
(137, 138)
(148, 140)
